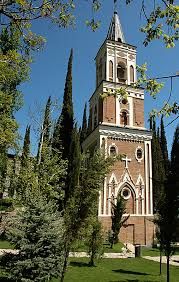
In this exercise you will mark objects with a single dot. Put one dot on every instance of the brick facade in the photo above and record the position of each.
(117, 125)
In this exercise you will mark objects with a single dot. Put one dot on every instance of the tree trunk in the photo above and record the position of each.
(67, 251)
(91, 263)
(160, 262)
(168, 268)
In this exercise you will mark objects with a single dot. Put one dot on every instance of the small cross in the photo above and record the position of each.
(126, 161)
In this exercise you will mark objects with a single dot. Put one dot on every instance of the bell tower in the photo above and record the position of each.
(117, 126)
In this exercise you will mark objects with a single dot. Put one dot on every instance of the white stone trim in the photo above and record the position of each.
(130, 101)
(131, 215)
(112, 145)
(109, 200)
(99, 204)
(105, 198)
(146, 178)
(119, 188)
(113, 177)
(139, 179)
(125, 135)
(139, 148)
(150, 171)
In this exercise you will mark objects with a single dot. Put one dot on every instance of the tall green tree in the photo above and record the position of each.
(83, 133)
(168, 211)
(45, 132)
(158, 171)
(74, 164)
(26, 148)
(83, 202)
(117, 211)
(64, 127)
(163, 145)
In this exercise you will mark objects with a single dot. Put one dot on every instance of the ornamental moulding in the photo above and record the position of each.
(125, 136)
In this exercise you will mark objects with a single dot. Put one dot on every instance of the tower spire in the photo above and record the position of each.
(115, 32)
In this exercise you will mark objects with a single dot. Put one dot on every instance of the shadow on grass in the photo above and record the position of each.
(129, 280)
(130, 272)
(79, 264)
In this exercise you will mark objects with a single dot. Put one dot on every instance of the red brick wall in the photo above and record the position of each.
(138, 105)
(137, 230)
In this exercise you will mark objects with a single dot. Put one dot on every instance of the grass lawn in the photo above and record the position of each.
(5, 245)
(154, 252)
(80, 247)
(115, 270)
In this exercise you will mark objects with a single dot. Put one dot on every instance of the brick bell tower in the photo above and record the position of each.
(117, 125)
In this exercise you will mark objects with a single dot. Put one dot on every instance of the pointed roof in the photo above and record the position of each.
(115, 32)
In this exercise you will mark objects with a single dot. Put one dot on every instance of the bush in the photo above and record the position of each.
(6, 204)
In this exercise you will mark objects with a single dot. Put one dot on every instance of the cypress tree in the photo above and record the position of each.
(26, 148)
(45, 132)
(84, 129)
(168, 212)
(163, 144)
(64, 127)
(157, 167)
(175, 155)
(74, 161)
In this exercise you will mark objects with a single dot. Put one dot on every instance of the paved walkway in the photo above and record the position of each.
(105, 255)
(173, 261)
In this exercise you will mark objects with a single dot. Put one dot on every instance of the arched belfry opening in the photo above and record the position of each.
(131, 74)
(111, 70)
(121, 72)
(124, 118)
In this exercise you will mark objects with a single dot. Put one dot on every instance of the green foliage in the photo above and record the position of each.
(83, 133)
(26, 149)
(36, 231)
(94, 241)
(158, 170)
(6, 204)
(166, 219)
(155, 29)
(64, 127)
(163, 145)
(117, 212)
(151, 85)
(44, 141)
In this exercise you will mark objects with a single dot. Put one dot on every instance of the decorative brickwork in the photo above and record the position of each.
(117, 127)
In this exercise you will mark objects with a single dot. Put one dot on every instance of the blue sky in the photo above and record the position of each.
(48, 70)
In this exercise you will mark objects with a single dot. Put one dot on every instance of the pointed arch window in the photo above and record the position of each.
(124, 118)
(110, 70)
(131, 74)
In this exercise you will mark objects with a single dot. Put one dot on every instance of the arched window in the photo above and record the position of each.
(113, 151)
(110, 70)
(131, 74)
(124, 118)
(121, 71)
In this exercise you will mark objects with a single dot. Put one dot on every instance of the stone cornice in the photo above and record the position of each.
(124, 133)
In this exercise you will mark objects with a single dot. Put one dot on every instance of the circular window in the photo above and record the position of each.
(124, 101)
(126, 193)
(139, 154)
